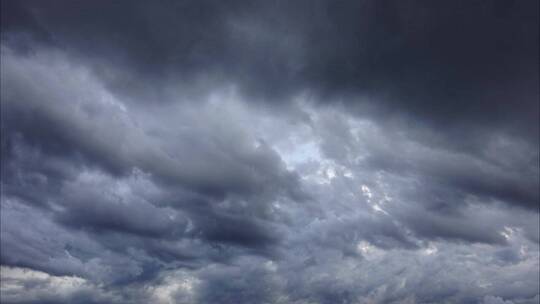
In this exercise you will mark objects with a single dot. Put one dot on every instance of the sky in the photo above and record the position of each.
(270, 152)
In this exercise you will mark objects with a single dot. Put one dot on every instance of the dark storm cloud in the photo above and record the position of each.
(465, 68)
(451, 63)
(269, 152)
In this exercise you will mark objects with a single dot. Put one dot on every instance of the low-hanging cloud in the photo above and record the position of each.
(269, 152)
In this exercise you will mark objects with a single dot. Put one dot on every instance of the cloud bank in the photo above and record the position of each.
(269, 152)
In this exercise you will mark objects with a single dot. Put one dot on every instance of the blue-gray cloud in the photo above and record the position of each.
(284, 152)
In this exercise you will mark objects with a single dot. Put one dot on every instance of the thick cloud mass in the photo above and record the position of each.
(270, 152)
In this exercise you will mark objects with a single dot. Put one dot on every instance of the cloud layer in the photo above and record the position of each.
(269, 152)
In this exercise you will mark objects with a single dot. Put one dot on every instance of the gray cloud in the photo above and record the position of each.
(283, 152)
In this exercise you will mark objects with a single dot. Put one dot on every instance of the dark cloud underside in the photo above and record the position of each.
(269, 151)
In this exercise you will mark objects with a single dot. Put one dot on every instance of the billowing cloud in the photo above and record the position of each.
(269, 152)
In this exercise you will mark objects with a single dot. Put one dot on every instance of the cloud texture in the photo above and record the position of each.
(269, 152)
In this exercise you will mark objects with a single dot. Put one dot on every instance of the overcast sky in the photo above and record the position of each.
(270, 152)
